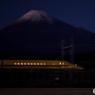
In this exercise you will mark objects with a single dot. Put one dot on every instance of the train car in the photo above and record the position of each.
(39, 64)
(0, 63)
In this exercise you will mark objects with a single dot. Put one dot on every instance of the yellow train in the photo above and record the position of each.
(39, 64)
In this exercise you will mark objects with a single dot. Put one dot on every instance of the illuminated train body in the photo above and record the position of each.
(39, 64)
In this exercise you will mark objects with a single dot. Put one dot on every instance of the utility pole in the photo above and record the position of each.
(63, 47)
(62, 50)
(72, 48)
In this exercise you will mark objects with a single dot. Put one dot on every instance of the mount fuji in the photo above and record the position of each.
(37, 35)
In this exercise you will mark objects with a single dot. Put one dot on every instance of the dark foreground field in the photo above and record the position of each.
(45, 78)
(46, 91)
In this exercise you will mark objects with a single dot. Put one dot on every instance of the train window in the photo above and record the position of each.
(44, 63)
(34, 63)
(15, 64)
(60, 63)
(28, 63)
(21, 63)
(18, 63)
(31, 63)
(53, 63)
(37, 63)
(24, 63)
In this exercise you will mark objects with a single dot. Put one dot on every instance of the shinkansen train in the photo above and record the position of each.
(39, 64)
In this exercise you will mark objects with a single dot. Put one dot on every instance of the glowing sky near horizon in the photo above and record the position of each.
(79, 13)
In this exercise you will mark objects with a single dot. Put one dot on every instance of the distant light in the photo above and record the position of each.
(57, 78)
(31, 63)
(75, 64)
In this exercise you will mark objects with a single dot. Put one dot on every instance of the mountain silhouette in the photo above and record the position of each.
(37, 35)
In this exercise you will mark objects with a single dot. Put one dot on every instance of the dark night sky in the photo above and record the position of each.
(79, 13)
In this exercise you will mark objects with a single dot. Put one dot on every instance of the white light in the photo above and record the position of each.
(18, 63)
(28, 63)
(44, 63)
(40, 63)
(37, 63)
(31, 63)
(60, 63)
(34, 63)
(21, 63)
(24, 63)
(93, 90)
